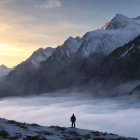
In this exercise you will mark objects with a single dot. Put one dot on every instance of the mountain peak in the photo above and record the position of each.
(118, 21)
(41, 55)
(3, 67)
(120, 16)
(72, 39)
(72, 44)
(4, 70)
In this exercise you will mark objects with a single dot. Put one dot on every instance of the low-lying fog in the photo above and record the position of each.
(120, 116)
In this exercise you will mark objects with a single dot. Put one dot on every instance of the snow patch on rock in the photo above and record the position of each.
(41, 55)
(71, 45)
(119, 21)
(10, 129)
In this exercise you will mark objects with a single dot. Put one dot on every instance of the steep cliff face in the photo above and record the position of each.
(123, 63)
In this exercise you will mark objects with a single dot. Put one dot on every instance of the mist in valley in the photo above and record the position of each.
(118, 115)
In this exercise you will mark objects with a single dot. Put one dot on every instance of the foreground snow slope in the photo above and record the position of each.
(12, 130)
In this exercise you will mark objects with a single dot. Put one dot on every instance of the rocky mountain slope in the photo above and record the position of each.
(73, 63)
(40, 55)
(4, 70)
(12, 130)
(123, 63)
(120, 67)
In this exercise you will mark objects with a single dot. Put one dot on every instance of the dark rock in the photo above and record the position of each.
(44, 133)
(58, 128)
(35, 138)
(34, 124)
(4, 134)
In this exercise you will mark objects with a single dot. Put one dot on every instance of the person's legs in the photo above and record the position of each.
(74, 124)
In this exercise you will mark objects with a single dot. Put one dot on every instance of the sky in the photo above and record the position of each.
(27, 25)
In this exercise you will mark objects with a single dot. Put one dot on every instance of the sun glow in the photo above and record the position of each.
(10, 55)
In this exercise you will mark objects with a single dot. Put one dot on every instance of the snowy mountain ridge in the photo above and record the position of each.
(120, 21)
(69, 47)
(118, 31)
(41, 55)
(104, 41)
(73, 44)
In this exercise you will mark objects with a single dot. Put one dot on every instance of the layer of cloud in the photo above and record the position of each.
(111, 115)
(50, 4)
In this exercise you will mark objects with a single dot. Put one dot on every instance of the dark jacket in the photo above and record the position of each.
(73, 118)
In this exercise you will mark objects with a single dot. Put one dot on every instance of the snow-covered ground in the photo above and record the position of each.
(12, 130)
(119, 115)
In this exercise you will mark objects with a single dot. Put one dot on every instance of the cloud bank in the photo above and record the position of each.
(112, 115)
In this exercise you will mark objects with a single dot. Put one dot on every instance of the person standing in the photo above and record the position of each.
(73, 120)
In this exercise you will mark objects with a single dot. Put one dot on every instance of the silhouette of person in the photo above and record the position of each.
(73, 120)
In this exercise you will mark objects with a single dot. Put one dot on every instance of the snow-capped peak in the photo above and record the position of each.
(115, 33)
(41, 55)
(117, 22)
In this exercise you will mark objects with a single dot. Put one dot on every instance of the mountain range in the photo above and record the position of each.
(104, 58)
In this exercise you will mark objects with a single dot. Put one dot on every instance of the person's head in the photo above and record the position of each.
(72, 114)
